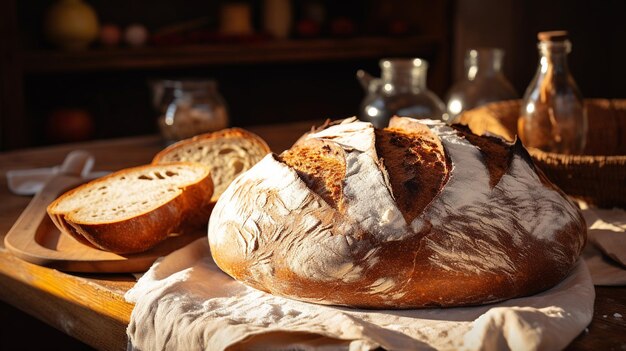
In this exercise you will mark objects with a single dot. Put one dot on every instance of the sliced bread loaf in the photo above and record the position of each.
(228, 152)
(134, 209)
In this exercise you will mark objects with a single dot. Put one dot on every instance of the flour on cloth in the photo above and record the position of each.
(185, 302)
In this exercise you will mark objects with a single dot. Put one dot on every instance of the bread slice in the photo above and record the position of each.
(228, 153)
(134, 209)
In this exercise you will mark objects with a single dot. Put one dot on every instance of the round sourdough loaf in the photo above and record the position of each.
(419, 214)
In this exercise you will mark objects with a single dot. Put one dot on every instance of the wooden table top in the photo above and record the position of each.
(91, 307)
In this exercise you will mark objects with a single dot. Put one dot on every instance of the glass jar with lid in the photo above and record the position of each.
(401, 90)
(189, 107)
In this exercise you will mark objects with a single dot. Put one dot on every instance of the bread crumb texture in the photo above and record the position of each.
(228, 153)
(128, 193)
(136, 208)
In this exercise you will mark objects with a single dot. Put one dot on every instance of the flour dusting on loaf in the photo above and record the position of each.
(485, 225)
(364, 183)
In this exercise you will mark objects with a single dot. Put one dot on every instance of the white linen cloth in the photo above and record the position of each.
(185, 302)
(605, 253)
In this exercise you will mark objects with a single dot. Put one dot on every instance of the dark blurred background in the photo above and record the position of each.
(103, 92)
(308, 75)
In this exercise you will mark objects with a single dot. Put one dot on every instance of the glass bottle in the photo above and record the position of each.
(189, 107)
(401, 91)
(553, 116)
(484, 82)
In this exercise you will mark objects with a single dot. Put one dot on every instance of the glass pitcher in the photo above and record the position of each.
(553, 116)
(484, 82)
(401, 91)
(188, 107)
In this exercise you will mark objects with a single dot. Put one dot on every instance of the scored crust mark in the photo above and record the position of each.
(497, 153)
(519, 149)
(321, 165)
(416, 165)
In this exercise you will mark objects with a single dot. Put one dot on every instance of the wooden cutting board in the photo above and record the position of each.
(34, 238)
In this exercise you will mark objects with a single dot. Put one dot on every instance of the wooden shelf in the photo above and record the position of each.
(49, 61)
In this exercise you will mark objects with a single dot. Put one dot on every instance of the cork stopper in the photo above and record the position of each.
(555, 35)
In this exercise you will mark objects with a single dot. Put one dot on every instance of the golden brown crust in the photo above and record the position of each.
(427, 285)
(224, 133)
(60, 222)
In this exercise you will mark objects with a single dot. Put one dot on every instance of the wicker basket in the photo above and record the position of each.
(597, 177)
